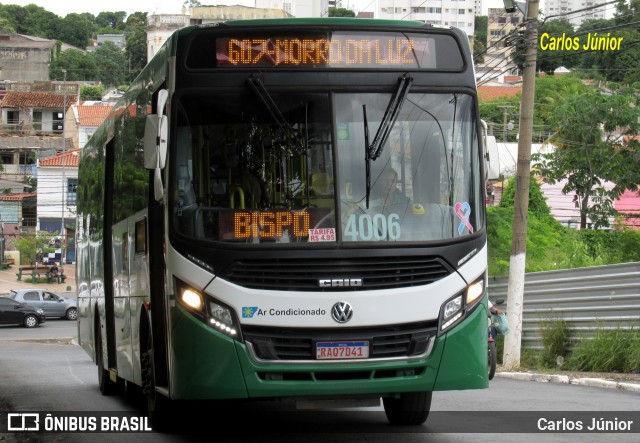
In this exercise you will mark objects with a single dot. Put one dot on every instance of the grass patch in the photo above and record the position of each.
(556, 342)
(614, 350)
(611, 350)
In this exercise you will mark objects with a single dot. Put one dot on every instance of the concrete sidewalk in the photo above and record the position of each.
(9, 280)
(624, 382)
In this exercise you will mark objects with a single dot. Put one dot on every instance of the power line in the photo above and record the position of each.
(580, 10)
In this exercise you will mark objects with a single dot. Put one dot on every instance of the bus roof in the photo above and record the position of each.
(313, 21)
(349, 21)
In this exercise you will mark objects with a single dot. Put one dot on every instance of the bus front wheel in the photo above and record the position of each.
(107, 387)
(493, 359)
(158, 406)
(408, 408)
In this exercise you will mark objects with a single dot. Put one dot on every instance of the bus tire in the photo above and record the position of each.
(408, 408)
(493, 359)
(159, 407)
(107, 387)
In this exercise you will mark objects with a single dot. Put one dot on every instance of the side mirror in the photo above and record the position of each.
(156, 133)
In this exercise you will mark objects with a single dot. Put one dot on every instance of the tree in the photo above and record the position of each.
(551, 90)
(16, 15)
(136, 43)
(32, 245)
(75, 30)
(40, 22)
(480, 38)
(341, 12)
(627, 12)
(548, 59)
(79, 66)
(112, 64)
(6, 24)
(493, 111)
(91, 92)
(590, 149)
(111, 20)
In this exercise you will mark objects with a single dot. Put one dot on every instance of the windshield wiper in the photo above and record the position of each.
(389, 117)
(258, 87)
(374, 149)
(367, 159)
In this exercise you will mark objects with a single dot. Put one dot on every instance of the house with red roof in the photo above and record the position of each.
(490, 92)
(34, 113)
(83, 120)
(32, 125)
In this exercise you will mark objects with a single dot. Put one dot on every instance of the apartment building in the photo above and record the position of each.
(557, 9)
(455, 13)
(502, 27)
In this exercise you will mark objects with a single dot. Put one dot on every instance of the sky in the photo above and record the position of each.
(64, 7)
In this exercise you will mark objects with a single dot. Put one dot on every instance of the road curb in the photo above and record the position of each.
(59, 340)
(581, 381)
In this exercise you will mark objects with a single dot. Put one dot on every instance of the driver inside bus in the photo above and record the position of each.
(388, 193)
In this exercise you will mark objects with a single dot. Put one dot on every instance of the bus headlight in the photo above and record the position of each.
(222, 319)
(208, 310)
(475, 291)
(451, 312)
(454, 310)
(192, 299)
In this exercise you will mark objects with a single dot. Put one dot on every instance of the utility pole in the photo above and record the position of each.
(64, 159)
(515, 292)
(506, 108)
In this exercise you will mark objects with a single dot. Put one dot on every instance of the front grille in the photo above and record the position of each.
(299, 344)
(329, 376)
(304, 274)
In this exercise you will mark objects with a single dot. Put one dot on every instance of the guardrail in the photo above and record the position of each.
(599, 297)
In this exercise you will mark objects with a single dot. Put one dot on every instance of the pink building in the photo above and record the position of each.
(564, 209)
(628, 205)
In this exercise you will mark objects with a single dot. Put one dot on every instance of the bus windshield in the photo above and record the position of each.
(265, 167)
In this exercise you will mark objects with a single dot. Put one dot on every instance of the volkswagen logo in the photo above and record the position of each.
(342, 312)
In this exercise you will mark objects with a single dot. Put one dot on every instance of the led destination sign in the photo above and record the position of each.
(270, 224)
(294, 51)
(275, 225)
(339, 50)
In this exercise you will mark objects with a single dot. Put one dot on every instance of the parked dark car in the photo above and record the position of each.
(16, 313)
(53, 304)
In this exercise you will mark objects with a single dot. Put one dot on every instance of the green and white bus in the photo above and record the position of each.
(289, 209)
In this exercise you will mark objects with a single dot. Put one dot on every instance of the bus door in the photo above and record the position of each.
(121, 298)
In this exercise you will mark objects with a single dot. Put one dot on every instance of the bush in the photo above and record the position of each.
(619, 246)
(89, 92)
(555, 340)
(550, 245)
(611, 350)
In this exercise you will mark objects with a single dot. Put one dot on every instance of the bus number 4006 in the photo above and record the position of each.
(364, 227)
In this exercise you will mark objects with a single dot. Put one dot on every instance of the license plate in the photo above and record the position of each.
(342, 350)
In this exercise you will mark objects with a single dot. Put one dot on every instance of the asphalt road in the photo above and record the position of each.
(53, 329)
